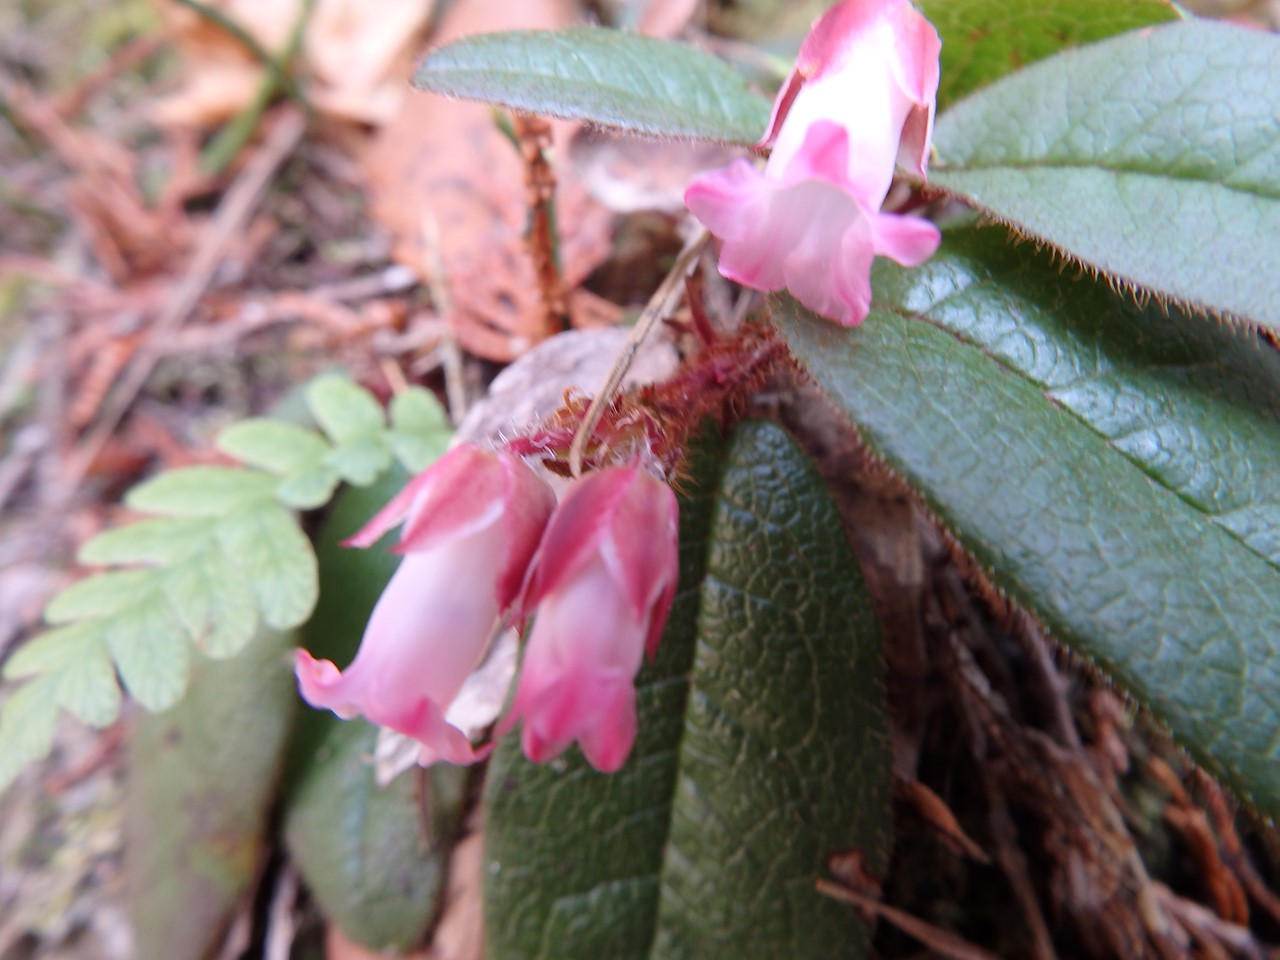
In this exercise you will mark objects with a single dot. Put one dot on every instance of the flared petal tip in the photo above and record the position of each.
(597, 710)
(320, 683)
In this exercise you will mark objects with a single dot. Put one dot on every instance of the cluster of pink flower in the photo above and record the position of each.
(483, 537)
(859, 101)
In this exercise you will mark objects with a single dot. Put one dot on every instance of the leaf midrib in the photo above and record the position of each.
(487, 74)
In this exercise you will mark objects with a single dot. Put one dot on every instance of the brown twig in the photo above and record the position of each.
(77, 149)
(1221, 886)
(943, 942)
(132, 54)
(1236, 856)
(231, 216)
(534, 136)
(660, 306)
(986, 738)
(448, 351)
(1206, 927)
(936, 814)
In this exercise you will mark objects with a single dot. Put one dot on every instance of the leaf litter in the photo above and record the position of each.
(1038, 815)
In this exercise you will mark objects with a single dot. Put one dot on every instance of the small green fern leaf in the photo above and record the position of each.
(219, 553)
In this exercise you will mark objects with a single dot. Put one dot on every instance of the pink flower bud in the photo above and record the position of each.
(858, 102)
(603, 584)
(472, 524)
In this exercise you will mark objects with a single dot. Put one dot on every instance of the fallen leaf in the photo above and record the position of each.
(666, 18)
(359, 53)
(221, 75)
(450, 188)
(355, 56)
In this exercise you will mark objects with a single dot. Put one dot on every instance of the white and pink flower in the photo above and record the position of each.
(472, 523)
(482, 535)
(858, 103)
(603, 585)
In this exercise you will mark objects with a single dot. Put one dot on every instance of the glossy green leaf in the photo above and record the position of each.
(375, 859)
(606, 77)
(1152, 157)
(1110, 466)
(762, 750)
(202, 781)
(982, 40)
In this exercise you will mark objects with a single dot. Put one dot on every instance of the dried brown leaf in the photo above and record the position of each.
(450, 187)
(355, 56)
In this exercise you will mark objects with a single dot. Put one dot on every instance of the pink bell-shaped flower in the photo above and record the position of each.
(859, 102)
(473, 522)
(603, 584)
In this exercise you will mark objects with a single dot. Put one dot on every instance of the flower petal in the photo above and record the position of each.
(433, 623)
(908, 240)
(604, 580)
(858, 103)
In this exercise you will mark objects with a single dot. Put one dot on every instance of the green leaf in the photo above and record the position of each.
(344, 411)
(158, 541)
(420, 429)
(273, 445)
(100, 595)
(150, 648)
(202, 783)
(213, 599)
(201, 492)
(606, 77)
(359, 848)
(762, 750)
(51, 650)
(87, 686)
(355, 421)
(360, 461)
(351, 580)
(309, 490)
(223, 557)
(1110, 466)
(1151, 157)
(276, 558)
(28, 723)
(982, 40)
